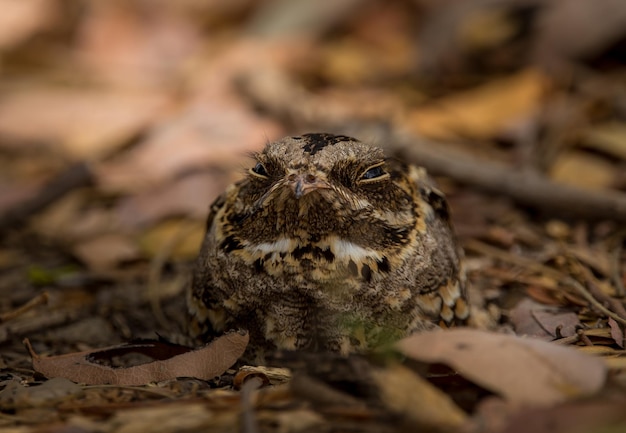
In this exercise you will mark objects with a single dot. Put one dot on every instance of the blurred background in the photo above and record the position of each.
(121, 121)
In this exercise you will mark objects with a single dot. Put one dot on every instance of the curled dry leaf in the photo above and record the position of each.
(171, 362)
(522, 370)
(244, 375)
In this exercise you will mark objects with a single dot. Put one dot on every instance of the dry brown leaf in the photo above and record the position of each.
(522, 370)
(419, 403)
(189, 196)
(182, 238)
(205, 363)
(617, 333)
(19, 20)
(609, 138)
(534, 319)
(87, 122)
(557, 323)
(538, 320)
(212, 134)
(355, 62)
(481, 112)
(584, 170)
(106, 251)
(544, 295)
(119, 44)
(573, 417)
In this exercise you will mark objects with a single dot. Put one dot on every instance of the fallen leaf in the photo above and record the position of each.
(118, 44)
(524, 323)
(106, 251)
(182, 238)
(189, 196)
(608, 138)
(522, 370)
(275, 375)
(557, 323)
(20, 20)
(172, 362)
(541, 321)
(584, 170)
(481, 112)
(573, 417)
(207, 135)
(88, 123)
(355, 62)
(617, 333)
(544, 295)
(418, 402)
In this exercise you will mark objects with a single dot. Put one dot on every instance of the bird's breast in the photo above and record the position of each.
(331, 259)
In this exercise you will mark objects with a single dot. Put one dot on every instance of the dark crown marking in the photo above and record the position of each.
(318, 141)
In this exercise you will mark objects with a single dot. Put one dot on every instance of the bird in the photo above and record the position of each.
(328, 245)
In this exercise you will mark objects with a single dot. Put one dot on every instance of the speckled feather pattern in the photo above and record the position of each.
(327, 245)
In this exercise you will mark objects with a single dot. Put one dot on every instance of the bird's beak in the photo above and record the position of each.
(302, 184)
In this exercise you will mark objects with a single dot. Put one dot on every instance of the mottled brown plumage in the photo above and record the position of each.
(327, 245)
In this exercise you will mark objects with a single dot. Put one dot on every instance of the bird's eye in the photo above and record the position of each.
(259, 170)
(374, 173)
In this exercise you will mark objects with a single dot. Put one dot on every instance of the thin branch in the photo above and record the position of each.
(40, 299)
(526, 187)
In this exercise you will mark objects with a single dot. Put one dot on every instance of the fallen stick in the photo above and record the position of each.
(526, 187)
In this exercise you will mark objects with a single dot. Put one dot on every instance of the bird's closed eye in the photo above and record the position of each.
(259, 170)
(374, 173)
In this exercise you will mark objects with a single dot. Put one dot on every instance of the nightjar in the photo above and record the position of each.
(327, 245)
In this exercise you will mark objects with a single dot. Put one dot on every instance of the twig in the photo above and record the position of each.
(531, 264)
(248, 419)
(592, 282)
(47, 321)
(524, 186)
(616, 275)
(40, 299)
(566, 341)
(585, 340)
(155, 391)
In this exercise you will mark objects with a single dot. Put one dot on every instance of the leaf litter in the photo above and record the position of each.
(160, 106)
